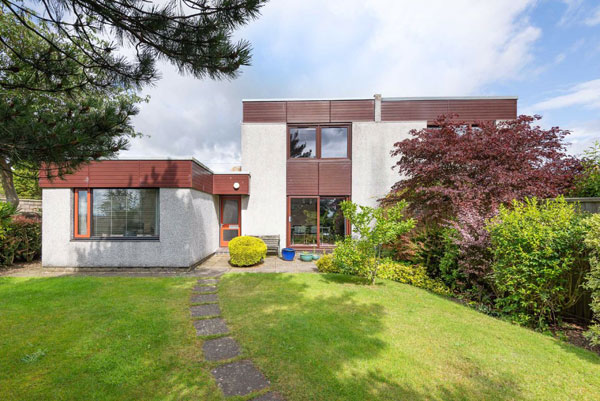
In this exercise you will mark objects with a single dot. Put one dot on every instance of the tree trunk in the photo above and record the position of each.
(8, 184)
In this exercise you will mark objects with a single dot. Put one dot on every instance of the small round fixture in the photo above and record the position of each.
(236, 185)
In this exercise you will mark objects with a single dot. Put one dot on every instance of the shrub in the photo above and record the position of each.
(538, 259)
(588, 183)
(325, 264)
(347, 257)
(246, 251)
(592, 242)
(20, 236)
(411, 274)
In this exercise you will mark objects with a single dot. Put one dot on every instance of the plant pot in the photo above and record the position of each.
(315, 256)
(288, 254)
(306, 257)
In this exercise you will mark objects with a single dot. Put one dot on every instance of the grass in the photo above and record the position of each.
(85, 338)
(327, 337)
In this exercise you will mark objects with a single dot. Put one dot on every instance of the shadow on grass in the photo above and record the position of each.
(327, 345)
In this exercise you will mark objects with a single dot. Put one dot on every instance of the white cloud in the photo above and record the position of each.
(311, 48)
(583, 94)
(594, 18)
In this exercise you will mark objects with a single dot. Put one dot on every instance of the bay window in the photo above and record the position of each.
(116, 213)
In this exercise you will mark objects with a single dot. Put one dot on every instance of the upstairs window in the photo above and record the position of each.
(319, 142)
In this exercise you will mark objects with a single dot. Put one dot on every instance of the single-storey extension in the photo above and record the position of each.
(300, 159)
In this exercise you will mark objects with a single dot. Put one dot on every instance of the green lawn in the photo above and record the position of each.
(83, 338)
(328, 338)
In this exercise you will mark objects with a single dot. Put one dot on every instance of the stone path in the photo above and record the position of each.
(234, 375)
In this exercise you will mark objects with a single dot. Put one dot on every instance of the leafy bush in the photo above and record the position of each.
(592, 242)
(588, 183)
(538, 259)
(246, 251)
(411, 274)
(325, 264)
(20, 236)
(347, 257)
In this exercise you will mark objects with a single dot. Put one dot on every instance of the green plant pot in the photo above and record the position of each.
(315, 256)
(306, 257)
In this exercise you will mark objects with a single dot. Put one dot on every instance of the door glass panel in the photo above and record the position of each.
(303, 142)
(230, 211)
(228, 235)
(303, 221)
(333, 224)
(82, 212)
(334, 142)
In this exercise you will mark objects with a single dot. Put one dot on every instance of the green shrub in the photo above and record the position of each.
(325, 264)
(20, 236)
(246, 251)
(538, 259)
(592, 242)
(347, 256)
(411, 274)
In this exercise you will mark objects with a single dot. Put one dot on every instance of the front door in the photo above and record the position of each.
(230, 224)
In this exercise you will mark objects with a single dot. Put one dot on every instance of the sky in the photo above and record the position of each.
(546, 52)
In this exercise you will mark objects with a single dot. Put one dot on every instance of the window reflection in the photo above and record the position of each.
(303, 142)
(303, 221)
(333, 224)
(334, 142)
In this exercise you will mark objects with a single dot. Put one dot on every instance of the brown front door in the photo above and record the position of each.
(230, 219)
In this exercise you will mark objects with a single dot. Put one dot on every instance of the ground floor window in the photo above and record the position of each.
(116, 213)
(316, 220)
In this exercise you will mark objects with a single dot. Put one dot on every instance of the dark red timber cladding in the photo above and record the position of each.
(302, 177)
(78, 179)
(166, 173)
(335, 178)
(202, 179)
(264, 112)
(308, 111)
(467, 109)
(352, 110)
(482, 109)
(114, 174)
(223, 184)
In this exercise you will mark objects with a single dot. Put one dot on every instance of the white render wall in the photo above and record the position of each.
(264, 148)
(372, 142)
(188, 233)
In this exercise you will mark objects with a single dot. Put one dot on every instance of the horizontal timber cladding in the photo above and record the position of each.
(467, 109)
(319, 177)
(223, 184)
(148, 174)
(313, 111)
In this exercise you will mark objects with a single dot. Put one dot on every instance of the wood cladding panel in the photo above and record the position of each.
(352, 110)
(166, 173)
(335, 178)
(202, 179)
(223, 184)
(78, 179)
(114, 174)
(467, 109)
(302, 178)
(264, 112)
(308, 111)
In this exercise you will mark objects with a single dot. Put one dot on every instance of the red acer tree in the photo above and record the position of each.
(455, 173)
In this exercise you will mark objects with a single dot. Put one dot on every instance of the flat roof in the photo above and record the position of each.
(386, 99)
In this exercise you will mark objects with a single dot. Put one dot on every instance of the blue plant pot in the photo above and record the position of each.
(288, 254)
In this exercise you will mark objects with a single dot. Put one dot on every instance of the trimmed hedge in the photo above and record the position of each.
(246, 251)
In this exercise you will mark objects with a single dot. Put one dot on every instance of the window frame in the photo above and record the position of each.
(90, 208)
(318, 245)
(318, 140)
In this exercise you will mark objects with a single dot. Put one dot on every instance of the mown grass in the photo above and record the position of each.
(328, 337)
(85, 338)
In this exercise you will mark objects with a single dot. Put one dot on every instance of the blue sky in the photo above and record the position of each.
(547, 52)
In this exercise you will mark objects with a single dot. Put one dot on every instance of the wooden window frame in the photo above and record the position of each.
(318, 245)
(76, 213)
(317, 128)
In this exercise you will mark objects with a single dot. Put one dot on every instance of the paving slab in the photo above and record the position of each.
(239, 378)
(205, 310)
(203, 289)
(269, 397)
(210, 327)
(220, 349)
(208, 281)
(204, 298)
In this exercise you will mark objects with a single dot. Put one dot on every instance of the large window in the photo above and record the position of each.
(316, 221)
(319, 142)
(116, 213)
